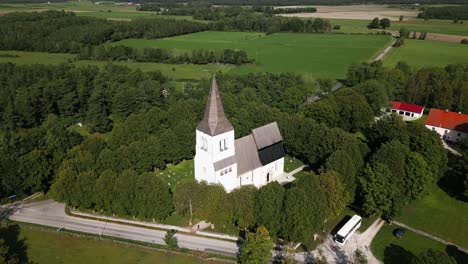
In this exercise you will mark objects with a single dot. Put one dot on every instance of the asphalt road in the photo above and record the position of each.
(51, 213)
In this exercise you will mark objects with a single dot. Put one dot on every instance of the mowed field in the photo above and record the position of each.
(313, 55)
(54, 248)
(423, 53)
(440, 215)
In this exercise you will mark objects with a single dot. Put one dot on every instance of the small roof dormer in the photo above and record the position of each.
(214, 121)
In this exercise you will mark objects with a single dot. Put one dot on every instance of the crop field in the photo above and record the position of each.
(107, 10)
(313, 55)
(422, 53)
(53, 247)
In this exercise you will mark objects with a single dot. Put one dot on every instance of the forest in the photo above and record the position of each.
(141, 123)
(158, 55)
(316, 2)
(445, 12)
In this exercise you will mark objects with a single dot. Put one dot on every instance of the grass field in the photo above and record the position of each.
(390, 249)
(55, 248)
(313, 55)
(291, 163)
(440, 215)
(420, 53)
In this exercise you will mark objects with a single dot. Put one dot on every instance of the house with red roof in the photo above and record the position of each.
(408, 111)
(451, 126)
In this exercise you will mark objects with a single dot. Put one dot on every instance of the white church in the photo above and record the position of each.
(256, 159)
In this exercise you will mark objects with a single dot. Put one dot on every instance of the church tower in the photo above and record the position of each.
(215, 156)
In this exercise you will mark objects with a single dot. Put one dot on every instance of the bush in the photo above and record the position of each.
(336, 27)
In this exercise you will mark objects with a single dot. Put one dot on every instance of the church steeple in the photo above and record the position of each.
(214, 122)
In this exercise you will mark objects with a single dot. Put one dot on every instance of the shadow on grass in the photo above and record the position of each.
(394, 254)
(460, 256)
(14, 248)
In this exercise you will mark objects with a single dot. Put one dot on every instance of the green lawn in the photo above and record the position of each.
(390, 249)
(52, 248)
(20, 57)
(174, 174)
(291, 163)
(421, 53)
(440, 215)
(313, 55)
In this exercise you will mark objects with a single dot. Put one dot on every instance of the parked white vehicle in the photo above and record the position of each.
(347, 230)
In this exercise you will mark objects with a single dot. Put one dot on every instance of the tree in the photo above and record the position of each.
(336, 194)
(385, 23)
(432, 256)
(378, 193)
(375, 23)
(170, 239)
(418, 177)
(353, 110)
(242, 203)
(300, 217)
(256, 248)
(375, 93)
(359, 257)
(387, 128)
(268, 206)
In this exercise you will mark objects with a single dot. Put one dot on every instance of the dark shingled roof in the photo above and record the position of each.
(214, 122)
(246, 155)
(267, 135)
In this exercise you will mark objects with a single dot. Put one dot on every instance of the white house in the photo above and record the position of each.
(255, 159)
(451, 126)
(406, 110)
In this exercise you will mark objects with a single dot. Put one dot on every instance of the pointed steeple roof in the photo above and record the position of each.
(214, 122)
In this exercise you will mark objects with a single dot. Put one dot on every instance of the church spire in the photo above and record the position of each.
(214, 122)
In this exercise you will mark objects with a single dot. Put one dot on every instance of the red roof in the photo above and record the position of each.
(449, 120)
(407, 107)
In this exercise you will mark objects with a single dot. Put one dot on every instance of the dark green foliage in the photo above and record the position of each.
(256, 247)
(375, 23)
(242, 201)
(385, 23)
(170, 240)
(353, 110)
(55, 31)
(445, 12)
(387, 128)
(157, 55)
(300, 217)
(432, 256)
(375, 93)
(335, 191)
(341, 162)
(268, 206)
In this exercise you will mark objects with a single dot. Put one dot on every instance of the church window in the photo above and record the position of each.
(225, 144)
(230, 169)
(222, 173)
(220, 145)
(225, 171)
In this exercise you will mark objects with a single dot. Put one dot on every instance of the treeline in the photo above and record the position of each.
(247, 22)
(158, 55)
(445, 12)
(315, 2)
(443, 88)
(55, 31)
(289, 10)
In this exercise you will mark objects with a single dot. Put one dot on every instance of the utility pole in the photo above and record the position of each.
(190, 221)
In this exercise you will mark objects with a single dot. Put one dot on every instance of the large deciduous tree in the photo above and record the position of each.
(256, 248)
(268, 206)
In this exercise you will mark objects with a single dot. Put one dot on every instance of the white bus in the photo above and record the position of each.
(347, 230)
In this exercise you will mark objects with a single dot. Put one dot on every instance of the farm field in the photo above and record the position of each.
(440, 215)
(359, 12)
(174, 71)
(51, 247)
(313, 55)
(422, 53)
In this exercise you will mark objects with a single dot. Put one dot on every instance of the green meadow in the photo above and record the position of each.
(313, 55)
(439, 215)
(423, 53)
(53, 247)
